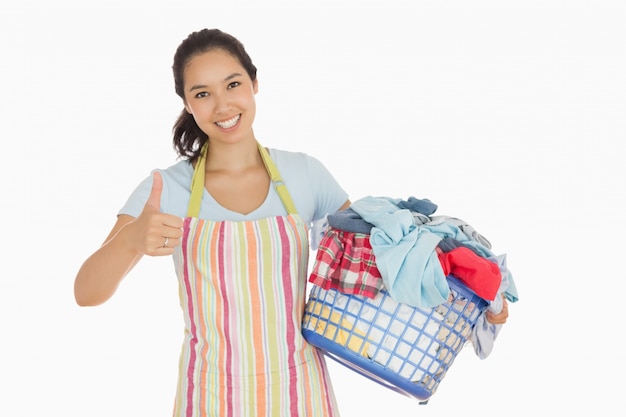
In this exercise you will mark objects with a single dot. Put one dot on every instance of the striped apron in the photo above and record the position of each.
(242, 290)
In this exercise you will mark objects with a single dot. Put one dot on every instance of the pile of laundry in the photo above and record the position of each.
(401, 247)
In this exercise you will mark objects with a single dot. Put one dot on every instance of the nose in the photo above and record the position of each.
(222, 103)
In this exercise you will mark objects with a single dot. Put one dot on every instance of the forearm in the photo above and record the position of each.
(131, 238)
(100, 275)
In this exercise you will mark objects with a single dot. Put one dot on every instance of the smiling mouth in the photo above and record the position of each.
(229, 123)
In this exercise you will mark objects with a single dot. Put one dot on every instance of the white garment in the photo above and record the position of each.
(484, 334)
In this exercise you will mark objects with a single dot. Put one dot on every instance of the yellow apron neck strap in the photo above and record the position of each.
(197, 182)
(277, 181)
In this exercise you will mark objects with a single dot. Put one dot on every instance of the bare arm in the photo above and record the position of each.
(130, 239)
(99, 276)
(499, 318)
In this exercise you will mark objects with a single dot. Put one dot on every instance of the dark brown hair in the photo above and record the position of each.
(188, 137)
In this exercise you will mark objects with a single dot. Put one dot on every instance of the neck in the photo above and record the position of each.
(233, 156)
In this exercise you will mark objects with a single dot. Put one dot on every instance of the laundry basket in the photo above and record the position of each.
(404, 348)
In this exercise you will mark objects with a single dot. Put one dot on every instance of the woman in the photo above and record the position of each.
(235, 217)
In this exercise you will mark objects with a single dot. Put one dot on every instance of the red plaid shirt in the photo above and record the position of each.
(345, 262)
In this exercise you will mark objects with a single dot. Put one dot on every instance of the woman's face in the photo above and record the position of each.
(219, 94)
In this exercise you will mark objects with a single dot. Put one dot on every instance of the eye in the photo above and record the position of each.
(233, 84)
(202, 94)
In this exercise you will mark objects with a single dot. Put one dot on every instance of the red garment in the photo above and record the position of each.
(480, 274)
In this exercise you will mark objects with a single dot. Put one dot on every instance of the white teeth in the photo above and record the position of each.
(229, 123)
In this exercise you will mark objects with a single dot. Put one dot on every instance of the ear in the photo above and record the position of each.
(255, 86)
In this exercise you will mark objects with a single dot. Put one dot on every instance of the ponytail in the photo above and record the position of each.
(188, 137)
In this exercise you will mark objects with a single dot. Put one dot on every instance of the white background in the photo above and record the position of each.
(507, 114)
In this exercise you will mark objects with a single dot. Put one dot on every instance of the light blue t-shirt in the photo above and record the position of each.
(314, 191)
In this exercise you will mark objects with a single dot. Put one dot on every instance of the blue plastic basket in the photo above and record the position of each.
(404, 348)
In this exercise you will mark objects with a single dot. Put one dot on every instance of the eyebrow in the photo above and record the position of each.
(201, 86)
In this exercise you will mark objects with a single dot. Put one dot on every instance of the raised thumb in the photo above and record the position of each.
(154, 200)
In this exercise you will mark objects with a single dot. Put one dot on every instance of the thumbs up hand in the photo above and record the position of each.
(155, 233)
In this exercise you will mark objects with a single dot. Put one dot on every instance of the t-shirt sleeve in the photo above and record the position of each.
(314, 190)
(329, 196)
(137, 199)
(174, 196)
